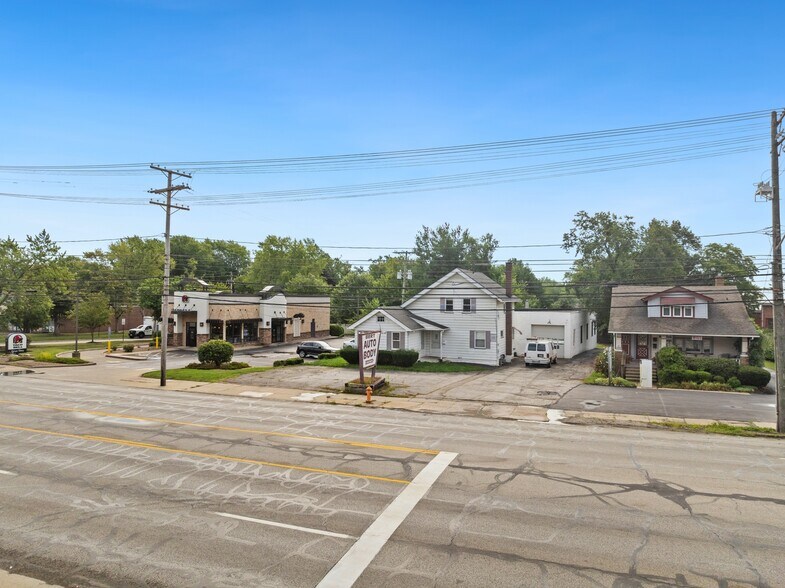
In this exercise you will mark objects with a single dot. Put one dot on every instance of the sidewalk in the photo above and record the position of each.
(102, 373)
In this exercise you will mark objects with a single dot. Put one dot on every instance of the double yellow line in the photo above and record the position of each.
(155, 447)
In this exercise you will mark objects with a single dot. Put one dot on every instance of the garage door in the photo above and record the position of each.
(554, 332)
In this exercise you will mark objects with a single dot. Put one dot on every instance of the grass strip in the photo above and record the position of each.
(208, 376)
(420, 366)
(721, 429)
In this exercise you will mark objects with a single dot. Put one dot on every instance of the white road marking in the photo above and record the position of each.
(555, 416)
(362, 553)
(5, 473)
(284, 526)
(308, 396)
(253, 394)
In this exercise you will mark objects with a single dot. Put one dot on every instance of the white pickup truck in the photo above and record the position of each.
(140, 332)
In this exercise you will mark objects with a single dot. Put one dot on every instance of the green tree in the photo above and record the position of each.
(388, 287)
(445, 248)
(94, 312)
(525, 285)
(667, 252)
(605, 245)
(24, 267)
(30, 310)
(280, 259)
(729, 262)
(150, 293)
(352, 295)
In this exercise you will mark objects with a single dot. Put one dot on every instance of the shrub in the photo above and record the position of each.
(688, 385)
(753, 376)
(718, 380)
(331, 355)
(128, 347)
(112, 347)
(727, 368)
(336, 331)
(290, 361)
(399, 358)
(749, 389)
(350, 354)
(734, 382)
(215, 352)
(714, 386)
(235, 365)
(599, 379)
(601, 362)
(701, 376)
(670, 357)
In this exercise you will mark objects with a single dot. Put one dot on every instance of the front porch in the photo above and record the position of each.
(637, 346)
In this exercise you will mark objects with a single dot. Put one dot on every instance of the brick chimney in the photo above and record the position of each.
(719, 281)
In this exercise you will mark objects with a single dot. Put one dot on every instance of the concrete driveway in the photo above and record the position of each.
(511, 384)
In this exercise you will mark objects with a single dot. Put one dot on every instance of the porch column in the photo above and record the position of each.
(242, 332)
(441, 344)
(223, 324)
(744, 359)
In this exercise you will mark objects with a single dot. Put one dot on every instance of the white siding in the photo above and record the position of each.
(487, 316)
(567, 322)
(654, 307)
(386, 326)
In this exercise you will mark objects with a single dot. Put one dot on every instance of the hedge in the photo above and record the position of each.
(330, 355)
(670, 357)
(753, 376)
(128, 347)
(336, 330)
(290, 361)
(398, 358)
(232, 365)
(727, 368)
(675, 375)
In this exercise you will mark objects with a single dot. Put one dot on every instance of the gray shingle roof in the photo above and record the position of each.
(409, 319)
(727, 313)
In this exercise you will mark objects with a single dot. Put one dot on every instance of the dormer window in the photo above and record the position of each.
(678, 311)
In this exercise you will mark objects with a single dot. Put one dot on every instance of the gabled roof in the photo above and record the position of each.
(679, 290)
(727, 314)
(405, 318)
(482, 281)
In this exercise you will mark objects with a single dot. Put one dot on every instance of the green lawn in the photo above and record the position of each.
(420, 366)
(770, 364)
(34, 338)
(722, 429)
(204, 375)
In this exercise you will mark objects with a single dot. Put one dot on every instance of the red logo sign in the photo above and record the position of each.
(184, 298)
(17, 339)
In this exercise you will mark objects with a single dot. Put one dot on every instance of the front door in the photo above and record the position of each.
(642, 348)
(277, 331)
(190, 334)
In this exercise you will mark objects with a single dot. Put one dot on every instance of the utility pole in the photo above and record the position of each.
(772, 192)
(168, 207)
(405, 273)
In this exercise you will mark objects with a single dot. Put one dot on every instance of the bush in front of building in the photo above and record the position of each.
(601, 362)
(336, 330)
(215, 352)
(734, 382)
(232, 365)
(717, 366)
(128, 347)
(670, 357)
(677, 375)
(753, 376)
(397, 358)
(331, 355)
(290, 361)
(351, 355)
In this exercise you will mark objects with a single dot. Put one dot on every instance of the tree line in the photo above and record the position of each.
(39, 283)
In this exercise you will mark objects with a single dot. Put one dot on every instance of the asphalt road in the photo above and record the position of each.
(113, 486)
(695, 404)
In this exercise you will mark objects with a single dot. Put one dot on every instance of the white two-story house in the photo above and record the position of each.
(460, 317)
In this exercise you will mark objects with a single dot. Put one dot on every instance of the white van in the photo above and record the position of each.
(541, 352)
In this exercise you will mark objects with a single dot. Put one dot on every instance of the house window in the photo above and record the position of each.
(678, 311)
(448, 306)
(467, 305)
(395, 341)
(479, 339)
(380, 318)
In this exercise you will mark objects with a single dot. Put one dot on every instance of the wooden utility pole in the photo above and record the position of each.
(168, 207)
(776, 287)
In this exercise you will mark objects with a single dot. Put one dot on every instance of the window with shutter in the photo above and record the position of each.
(448, 305)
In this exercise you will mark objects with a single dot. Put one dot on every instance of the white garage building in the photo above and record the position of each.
(574, 330)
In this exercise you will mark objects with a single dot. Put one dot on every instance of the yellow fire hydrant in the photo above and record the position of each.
(368, 391)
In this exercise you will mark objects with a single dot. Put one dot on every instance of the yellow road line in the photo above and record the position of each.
(224, 428)
(202, 454)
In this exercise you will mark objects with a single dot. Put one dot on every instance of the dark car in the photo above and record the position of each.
(314, 348)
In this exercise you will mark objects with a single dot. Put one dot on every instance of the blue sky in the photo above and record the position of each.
(150, 81)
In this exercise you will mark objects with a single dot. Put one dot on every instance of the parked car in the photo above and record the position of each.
(351, 342)
(314, 348)
(540, 352)
(140, 332)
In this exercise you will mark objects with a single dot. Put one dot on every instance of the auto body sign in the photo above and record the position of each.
(369, 349)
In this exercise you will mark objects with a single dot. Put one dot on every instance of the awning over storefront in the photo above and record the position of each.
(233, 312)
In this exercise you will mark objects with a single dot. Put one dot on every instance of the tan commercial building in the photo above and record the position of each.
(248, 319)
